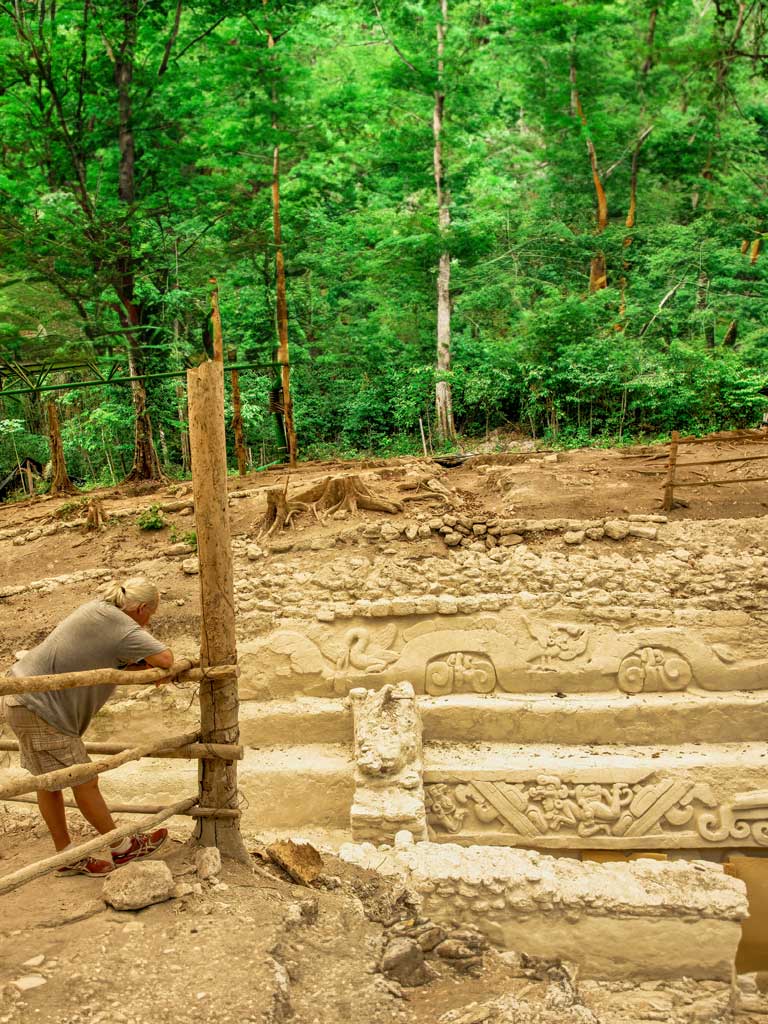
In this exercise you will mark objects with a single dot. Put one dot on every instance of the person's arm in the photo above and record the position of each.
(164, 659)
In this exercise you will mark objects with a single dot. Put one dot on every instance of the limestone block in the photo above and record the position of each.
(139, 884)
(191, 566)
(509, 540)
(411, 531)
(452, 539)
(616, 529)
(280, 546)
(574, 536)
(644, 919)
(641, 530)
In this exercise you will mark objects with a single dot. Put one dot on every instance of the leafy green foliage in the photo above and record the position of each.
(677, 339)
(151, 519)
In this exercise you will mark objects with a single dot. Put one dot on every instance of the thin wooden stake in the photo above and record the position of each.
(218, 337)
(77, 774)
(112, 677)
(193, 812)
(423, 439)
(75, 853)
(190, 752)
(669, 486)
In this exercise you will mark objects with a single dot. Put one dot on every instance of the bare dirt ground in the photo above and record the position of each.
(583, 483)
(254, 948)
(245, 950)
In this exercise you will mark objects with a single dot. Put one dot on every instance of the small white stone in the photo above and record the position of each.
(207, 862)
(34, 961)
(191, 566)
(403, 839)
(29, 981)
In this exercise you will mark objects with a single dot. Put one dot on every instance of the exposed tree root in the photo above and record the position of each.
(332, 494)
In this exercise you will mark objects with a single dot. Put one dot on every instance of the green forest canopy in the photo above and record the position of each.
(599, 224)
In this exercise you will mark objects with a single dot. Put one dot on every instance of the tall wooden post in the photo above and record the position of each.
(218, 698)
(669, 485)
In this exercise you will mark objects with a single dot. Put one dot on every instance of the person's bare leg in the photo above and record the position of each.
(52, 809)
(92, 806)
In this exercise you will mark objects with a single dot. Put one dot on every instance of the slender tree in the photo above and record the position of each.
(446, 429)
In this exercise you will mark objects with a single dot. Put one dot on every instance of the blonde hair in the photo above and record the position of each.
(131, 594)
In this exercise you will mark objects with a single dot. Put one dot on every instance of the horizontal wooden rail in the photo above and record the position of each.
(183, 670)
(193, 812)
(75, 853)
(77, 774)
(225, 751)
(720, 462)
(719, 483)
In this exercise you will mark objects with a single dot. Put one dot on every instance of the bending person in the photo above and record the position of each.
(107, 633)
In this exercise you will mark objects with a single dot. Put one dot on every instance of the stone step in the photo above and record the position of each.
(647, 718)
(308, 786)
(690, 796)
(666, 718)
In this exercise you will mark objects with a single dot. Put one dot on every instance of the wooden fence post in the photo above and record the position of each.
(669, 486)
(218, 698)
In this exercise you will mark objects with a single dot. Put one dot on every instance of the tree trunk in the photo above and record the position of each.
(146, 465)
(181, 406)
(60, 482)
(237, 420)
(446, 429)
(702, 302)
(281, 301)
(598, 273)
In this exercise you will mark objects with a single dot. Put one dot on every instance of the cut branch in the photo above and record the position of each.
(77, 774)
(75, 853)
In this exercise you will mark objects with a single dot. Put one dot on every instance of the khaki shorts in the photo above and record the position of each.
(41, 747)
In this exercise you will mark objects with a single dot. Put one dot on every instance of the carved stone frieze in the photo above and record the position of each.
(551, 810)
(509, 653)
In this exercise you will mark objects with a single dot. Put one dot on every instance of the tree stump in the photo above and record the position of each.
(95, 518)
(332, 494)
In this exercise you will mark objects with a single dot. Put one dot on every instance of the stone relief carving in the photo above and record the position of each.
(460, 672)
(522, 654)
(556, 642)
(744, 818)
(654, 668)
(549, 805)
(317, 652)
(389, 794)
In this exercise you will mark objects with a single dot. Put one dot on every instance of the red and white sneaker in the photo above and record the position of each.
(87, 866)
(143, 844)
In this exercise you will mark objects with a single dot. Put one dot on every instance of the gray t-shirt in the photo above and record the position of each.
(97, 635)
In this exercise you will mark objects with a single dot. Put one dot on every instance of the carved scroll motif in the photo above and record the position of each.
(654, 668)
(744, 818)
(460, 672)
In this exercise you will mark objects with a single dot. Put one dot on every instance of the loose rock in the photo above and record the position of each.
(139, 885)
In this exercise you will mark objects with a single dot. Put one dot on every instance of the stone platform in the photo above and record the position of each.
(645, 919)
